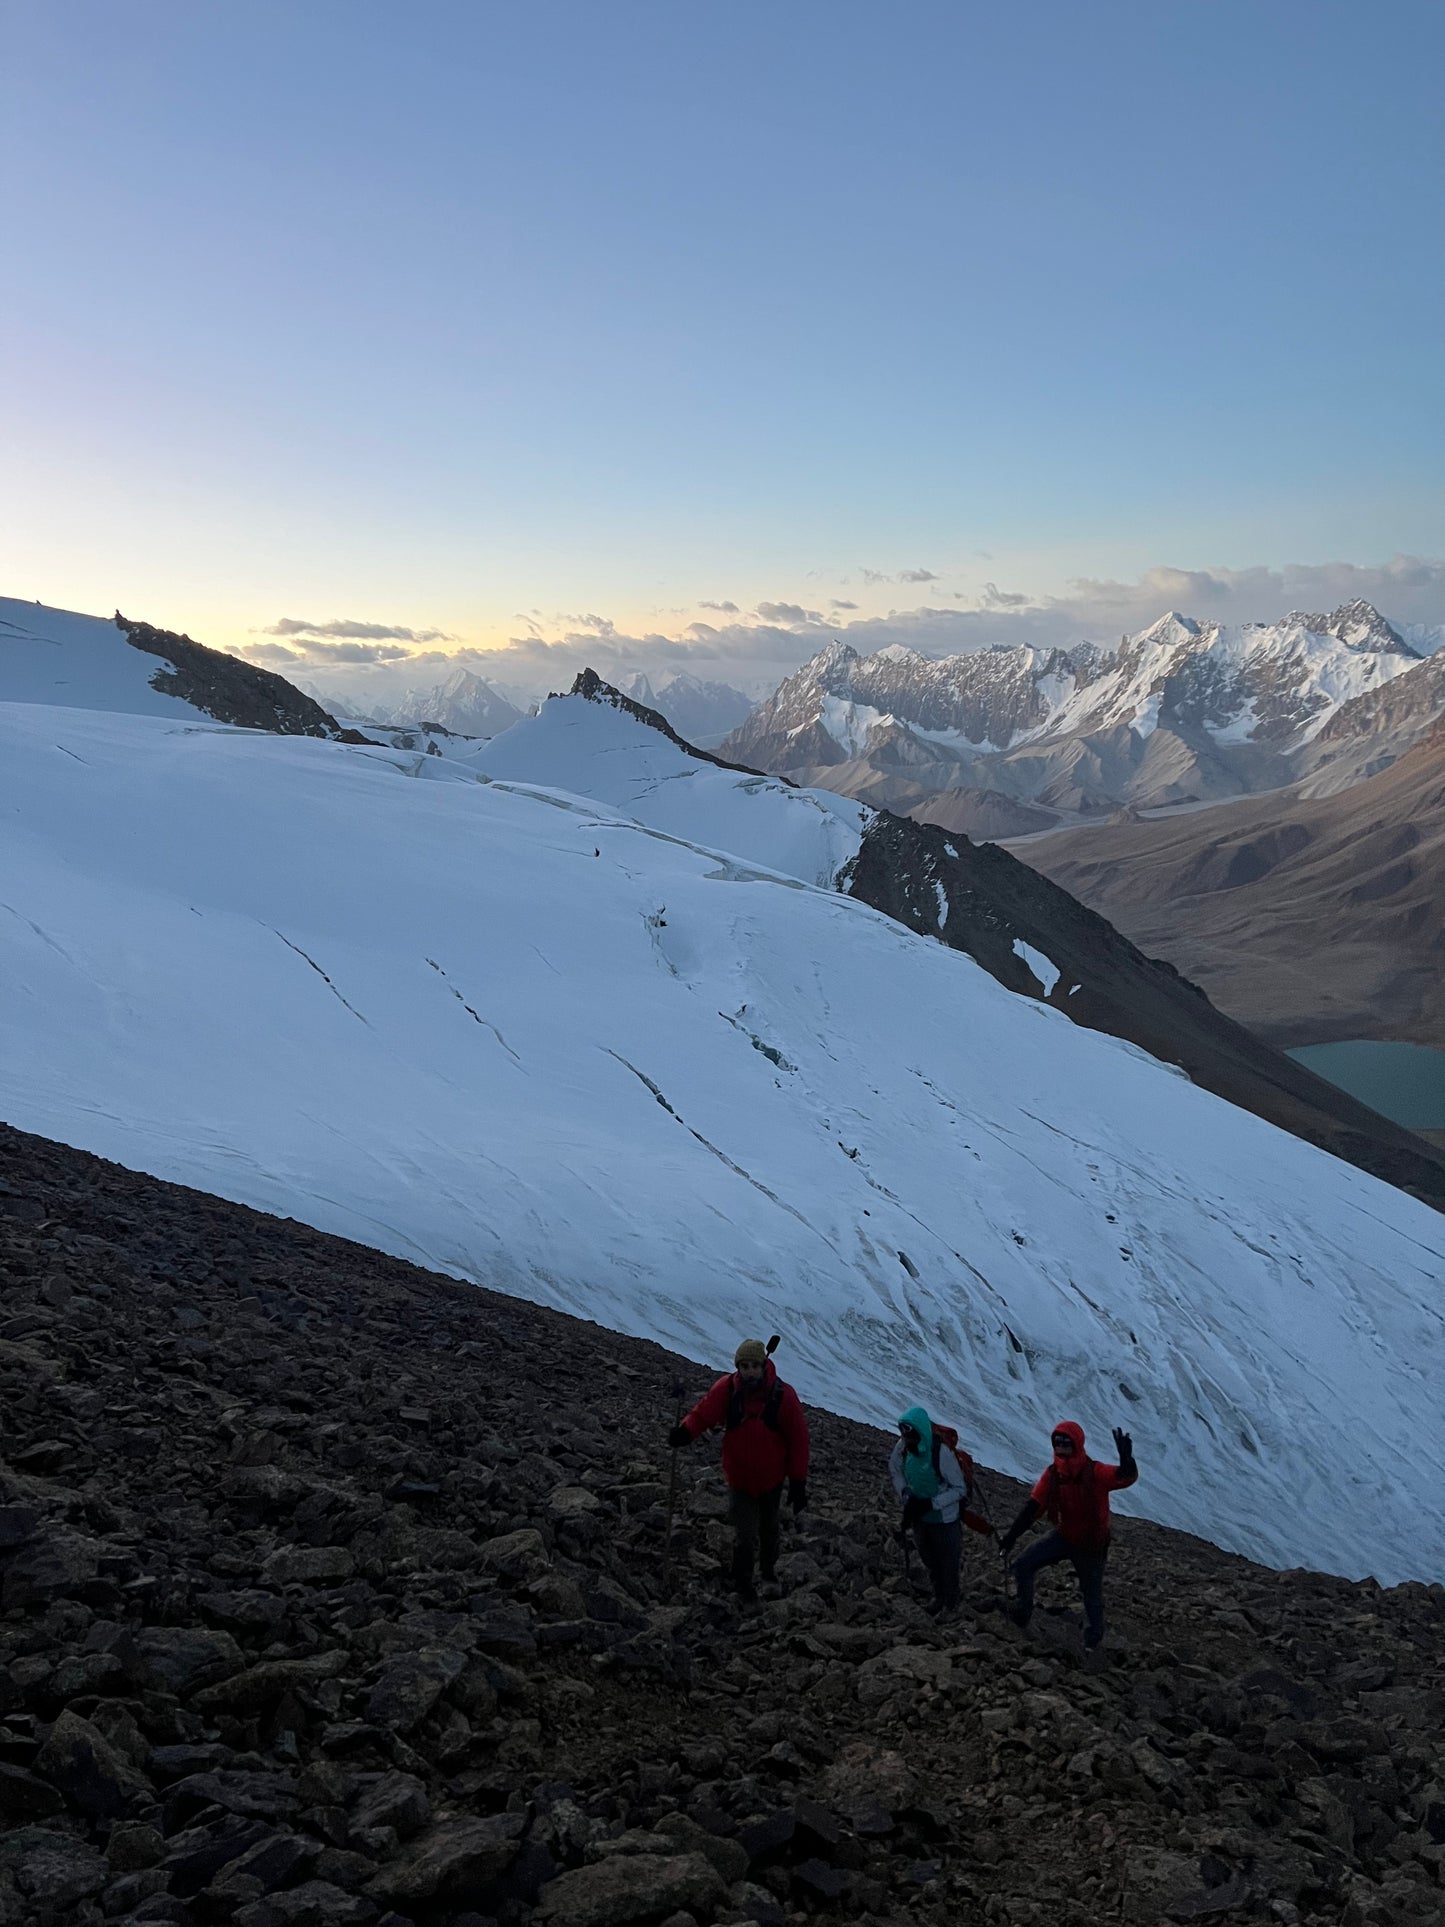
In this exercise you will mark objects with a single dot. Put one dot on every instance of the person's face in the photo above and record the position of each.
(751, 1375)
(909, 1438)
(1063, 1445)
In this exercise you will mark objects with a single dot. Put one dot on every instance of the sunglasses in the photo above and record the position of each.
(1063, 1445)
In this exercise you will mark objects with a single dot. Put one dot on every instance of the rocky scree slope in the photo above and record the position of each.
(332, 1594)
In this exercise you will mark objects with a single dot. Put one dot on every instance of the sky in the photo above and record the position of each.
(688, 336)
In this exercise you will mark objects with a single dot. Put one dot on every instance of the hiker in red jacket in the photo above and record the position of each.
(1074, 1494)
(765, 1442)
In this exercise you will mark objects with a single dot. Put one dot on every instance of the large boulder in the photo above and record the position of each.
(53, 1564)
(52, 1868)
(94, 1777)
(451, 1863)
(411, 1686)
(396, 1800)
(259, 1686)
(517, 1555)
(308, 1566)
(630, 1888)
(179, 1659)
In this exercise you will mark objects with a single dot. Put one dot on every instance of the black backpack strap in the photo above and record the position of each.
(772, 1405)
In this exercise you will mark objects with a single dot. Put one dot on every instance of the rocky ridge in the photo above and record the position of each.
(223, 686)
(336, 1592)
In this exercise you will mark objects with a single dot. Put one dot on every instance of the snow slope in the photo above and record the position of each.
(594, 750)
(55, 656)
(690, 1097)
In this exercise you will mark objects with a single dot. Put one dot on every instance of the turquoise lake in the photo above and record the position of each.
(1404, 1082)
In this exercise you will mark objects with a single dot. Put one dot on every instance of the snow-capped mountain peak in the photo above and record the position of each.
(1358, 625)
(1074, 727)
(462, 702)
(1169, 631)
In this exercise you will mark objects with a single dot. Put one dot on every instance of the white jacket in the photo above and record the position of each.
(952, 1494)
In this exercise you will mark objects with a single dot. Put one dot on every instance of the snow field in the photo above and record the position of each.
(690, 1096)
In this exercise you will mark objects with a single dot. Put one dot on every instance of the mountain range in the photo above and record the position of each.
(1015, 740)
(703, 712)
(465, 704)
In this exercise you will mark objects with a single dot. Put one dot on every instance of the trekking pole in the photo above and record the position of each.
(983, 1496)
(1006, 1571)
(679, 1392)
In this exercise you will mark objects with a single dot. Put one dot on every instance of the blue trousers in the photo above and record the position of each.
(1050, 1551)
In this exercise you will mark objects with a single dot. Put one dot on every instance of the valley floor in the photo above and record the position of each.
(334, 1596)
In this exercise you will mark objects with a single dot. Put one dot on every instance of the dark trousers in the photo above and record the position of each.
(755, 1523)
(1089, 1566)
(940, 1548)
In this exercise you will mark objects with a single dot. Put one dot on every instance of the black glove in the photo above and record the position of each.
(1124, 1446)
(679, 1435)
(1009, 1540)
(797, 1494)
(914, 1509)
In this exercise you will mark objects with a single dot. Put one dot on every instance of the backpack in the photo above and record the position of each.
(772, 1405)
(947, 1435)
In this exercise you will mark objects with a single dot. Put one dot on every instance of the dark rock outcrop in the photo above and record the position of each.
(225, 687)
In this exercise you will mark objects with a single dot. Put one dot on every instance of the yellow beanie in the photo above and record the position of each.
(752, 1351)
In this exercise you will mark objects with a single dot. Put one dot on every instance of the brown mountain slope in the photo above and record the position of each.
(1309, 919)
(985, 815)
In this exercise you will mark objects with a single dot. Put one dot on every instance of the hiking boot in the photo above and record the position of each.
(1013, 1611)
(746, 1591)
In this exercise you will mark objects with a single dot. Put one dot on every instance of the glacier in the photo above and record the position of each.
(628, 1054)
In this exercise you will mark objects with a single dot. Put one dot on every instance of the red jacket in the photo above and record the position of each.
(756, 1458)
(1074, 1493)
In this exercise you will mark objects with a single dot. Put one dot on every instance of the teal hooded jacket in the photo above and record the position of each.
(914, 1477)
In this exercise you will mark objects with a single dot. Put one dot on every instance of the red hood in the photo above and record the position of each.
(1070, 1465)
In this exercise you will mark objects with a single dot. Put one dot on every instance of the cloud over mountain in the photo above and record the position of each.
(349, 629)
(758, 650)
